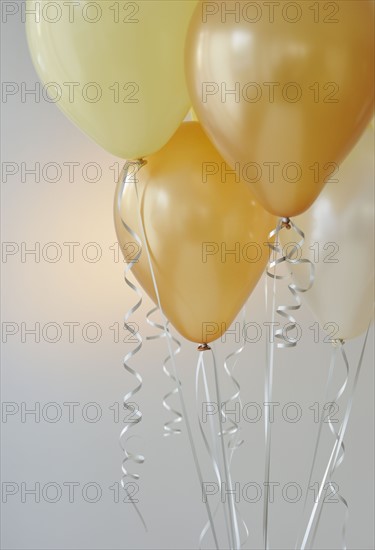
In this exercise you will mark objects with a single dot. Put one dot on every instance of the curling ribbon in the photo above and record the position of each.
(234, 432)
(318, 438)
(268, 383)
(170, 427)
(228, 480)
(335, 458)
(277, 257)
(139, 164)
(337, 344)
(137, 415)
(285, 310)
(212, 454)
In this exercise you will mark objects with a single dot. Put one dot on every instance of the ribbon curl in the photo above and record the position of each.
(233, 444)
(137, 415)
(339, 344)
(234, 431)
(318, 438)
(234, 441)
(235, 538)
(170, 426)
(334, 458)
(201, 369)
(169, 339)
(277, 257)
(285, 310)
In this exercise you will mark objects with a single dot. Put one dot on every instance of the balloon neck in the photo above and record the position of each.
(338, 342)
(285, 223)
(203, 347)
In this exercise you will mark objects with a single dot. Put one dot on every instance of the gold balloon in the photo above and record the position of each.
(283, 90)
(204, 230)
(116, 69)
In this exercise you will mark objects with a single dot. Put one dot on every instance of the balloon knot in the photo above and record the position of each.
(338, 342)
(203, 347)
(285, 223)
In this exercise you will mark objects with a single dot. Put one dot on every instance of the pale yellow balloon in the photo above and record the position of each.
(117, 66)
(193, 114)
(339, 240)
(204, 230)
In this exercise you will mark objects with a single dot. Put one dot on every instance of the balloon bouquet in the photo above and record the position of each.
(282, 93)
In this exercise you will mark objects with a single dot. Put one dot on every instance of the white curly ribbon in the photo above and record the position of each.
(335, 458)
(282, 335)
(128, 405)
(169, 340)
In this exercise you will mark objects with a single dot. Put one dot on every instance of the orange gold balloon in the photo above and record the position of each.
(283, 89)
(204, 230)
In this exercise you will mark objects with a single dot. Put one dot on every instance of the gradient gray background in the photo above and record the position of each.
(82, 372)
